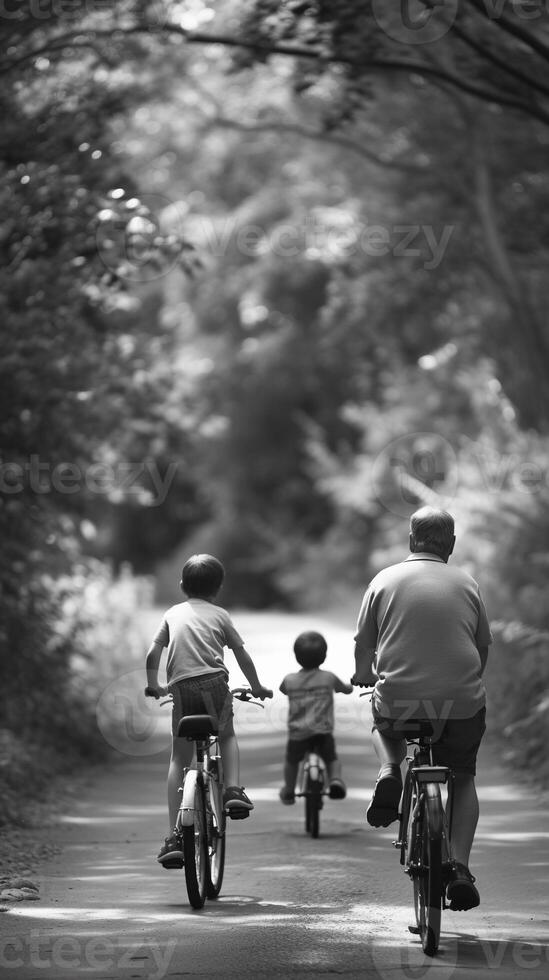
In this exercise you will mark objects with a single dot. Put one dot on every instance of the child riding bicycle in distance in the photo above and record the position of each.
(311, 716)
(196, 632)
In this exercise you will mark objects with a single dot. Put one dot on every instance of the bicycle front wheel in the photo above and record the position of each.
(216, 852)
(426, 855)
(195, 850)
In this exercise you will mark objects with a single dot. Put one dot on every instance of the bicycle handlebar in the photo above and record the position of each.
(240, 693)
(245, 694)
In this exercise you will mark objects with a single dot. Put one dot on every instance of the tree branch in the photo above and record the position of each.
(343, 141)
(86, 38)
(514, 29)
(505, 66)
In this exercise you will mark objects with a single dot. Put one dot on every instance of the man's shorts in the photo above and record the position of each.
(207, 694)
(457, 740)
(297, 748)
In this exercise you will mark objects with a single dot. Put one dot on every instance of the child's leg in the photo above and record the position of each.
(230, 757)
(182, 753)
(334, 769)
(290, 775)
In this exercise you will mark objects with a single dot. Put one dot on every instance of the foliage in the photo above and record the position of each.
(72, 635)
(364, 214)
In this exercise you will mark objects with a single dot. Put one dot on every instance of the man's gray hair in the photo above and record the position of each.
(432, 530)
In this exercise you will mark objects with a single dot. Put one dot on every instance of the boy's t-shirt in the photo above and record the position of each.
(311, 697)
(195, 633)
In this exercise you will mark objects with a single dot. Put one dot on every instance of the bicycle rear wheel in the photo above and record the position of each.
(426, 855)
(195, 850)
(313, 806)
(216, 852)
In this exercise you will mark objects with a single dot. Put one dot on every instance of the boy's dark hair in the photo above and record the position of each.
(310, 649)
(202, 576)
(432, 530)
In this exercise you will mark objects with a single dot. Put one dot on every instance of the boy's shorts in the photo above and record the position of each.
(207, 694)
(457, 740)
(297, 748)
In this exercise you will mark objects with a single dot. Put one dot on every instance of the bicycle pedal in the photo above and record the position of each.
(175, 863)
(237, 813)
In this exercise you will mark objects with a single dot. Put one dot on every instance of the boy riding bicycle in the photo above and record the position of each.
(311, 716)
(195, 632)
(422, 642)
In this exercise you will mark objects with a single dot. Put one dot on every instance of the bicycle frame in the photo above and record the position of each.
(213, 785)
(424, 839)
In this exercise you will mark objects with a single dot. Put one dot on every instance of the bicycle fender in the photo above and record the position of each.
(187, 802)
(434, 810)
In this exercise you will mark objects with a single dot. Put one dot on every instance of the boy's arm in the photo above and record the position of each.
(247, 667)
(152, 664)
(340, 687)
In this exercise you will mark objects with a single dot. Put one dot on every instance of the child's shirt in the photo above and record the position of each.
(311, 697)
(195, 633)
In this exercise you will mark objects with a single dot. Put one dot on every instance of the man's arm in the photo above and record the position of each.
(483, 654)
(247, 667)
(152, 664)
(364, 675)
(366, 641)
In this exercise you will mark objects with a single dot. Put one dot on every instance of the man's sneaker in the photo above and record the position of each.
(236, 803)
(171, 852)
(461, 893)
(383, 809)
(338, 790)
(287, 796)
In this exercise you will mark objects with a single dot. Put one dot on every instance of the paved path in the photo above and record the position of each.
(290, 906)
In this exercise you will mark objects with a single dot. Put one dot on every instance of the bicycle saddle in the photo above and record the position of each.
(193, 726)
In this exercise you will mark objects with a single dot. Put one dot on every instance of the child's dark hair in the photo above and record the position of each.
(310, 649)
(202, 576)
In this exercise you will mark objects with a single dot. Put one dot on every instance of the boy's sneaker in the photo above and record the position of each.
(383, 809)
(287, 796)
(338, 790)
(236, 803)
(171, 852)
(461, 893)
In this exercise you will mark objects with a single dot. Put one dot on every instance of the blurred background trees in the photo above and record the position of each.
(264, 296)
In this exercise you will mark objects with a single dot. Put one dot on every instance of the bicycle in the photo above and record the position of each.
(201, 819)
(425, 827)
(312, 783)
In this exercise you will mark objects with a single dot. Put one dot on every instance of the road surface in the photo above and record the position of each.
(290, 906)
